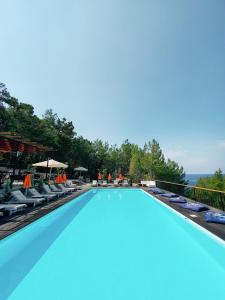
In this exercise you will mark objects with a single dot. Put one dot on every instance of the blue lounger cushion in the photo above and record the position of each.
(177, 200)
(169, 195)
(215, 217)
(194, 206)
(156, 191)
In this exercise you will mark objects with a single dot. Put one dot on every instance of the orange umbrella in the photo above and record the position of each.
(109, 177)
(27, 181)
(99, 176)
(64, 177)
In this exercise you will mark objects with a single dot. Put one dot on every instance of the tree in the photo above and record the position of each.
(135, 168)
(125, 156)
(215, 182)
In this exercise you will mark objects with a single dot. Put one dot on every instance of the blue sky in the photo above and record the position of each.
(124, 69)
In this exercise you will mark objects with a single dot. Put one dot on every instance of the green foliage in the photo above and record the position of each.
(136, 170)
(215, 182)
(50, 130)
(150, 163)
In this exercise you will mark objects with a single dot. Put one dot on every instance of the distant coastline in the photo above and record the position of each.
(193, 178)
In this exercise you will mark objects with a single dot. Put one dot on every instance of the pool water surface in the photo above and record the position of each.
(112, 244)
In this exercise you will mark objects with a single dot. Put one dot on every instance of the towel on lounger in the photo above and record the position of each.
(194, 206)
(215, 217)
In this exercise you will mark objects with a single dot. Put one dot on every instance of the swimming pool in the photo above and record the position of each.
(112, 244)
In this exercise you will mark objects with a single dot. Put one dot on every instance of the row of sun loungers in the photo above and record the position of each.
(104, 183)
(209, 215)
(19, 201)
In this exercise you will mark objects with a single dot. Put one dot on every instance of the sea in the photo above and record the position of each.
(193, 178)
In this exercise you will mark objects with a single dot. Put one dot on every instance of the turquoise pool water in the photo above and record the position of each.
(112, 244)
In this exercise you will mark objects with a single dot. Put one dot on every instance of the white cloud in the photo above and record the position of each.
(197, 158)
(174, 154)
(191, 160)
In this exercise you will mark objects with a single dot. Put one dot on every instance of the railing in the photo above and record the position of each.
(210, 197)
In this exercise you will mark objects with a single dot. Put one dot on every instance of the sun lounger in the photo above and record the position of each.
(156, 191)
(69, 184)
(17, 197)
(115, 183)
(94, 183)
(9, 209)
(56, 190)
(125, 183)
(48, 191)
(35, 194)
(104, 183)
(73, 188)
(177, 200)
(66, 190)
(194, 206)
(148, 183)
(215, 217)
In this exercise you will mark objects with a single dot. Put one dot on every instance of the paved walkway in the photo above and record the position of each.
(9, 225)
(197, 217)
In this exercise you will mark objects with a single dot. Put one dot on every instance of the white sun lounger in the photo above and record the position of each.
(94, 183)
(69, 184)
(115, 183)
(148, 183)
(104, 183)
(125, 183)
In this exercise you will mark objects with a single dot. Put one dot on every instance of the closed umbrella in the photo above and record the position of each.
(27, 182)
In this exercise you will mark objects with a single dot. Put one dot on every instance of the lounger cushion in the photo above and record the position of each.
(156, 190)
(169, 195)
(177, 200)
(215, 217)
(194, 206)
